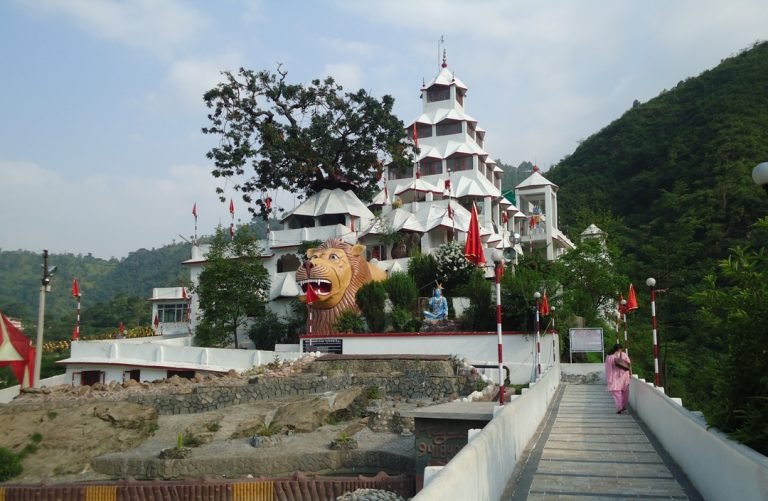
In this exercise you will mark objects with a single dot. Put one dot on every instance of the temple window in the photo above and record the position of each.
(447, 127)
(400, 174)
(438, 93)
(456, 163)
(431, 167)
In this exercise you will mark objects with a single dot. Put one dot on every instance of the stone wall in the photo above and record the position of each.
(408, 385)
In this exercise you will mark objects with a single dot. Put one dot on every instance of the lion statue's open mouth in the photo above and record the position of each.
(335, 270)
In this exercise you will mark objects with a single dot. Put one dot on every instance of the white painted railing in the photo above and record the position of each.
(718, 467)
(481, 469)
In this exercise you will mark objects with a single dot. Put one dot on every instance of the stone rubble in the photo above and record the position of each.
(370, 495)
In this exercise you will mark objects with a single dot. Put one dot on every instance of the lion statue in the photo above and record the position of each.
(335, 270)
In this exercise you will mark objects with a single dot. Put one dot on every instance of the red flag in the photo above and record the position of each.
(268, 203)
(418, 172)
(544, 305)
(121, 329)
(311, 295)
(622, 305)
(447, 185)
(504, 217)
(352, 222)
(157, 321)
(194, 210)
(631, 299)
(415, 136)
(75, 288)
(473, 248)
(534, 221)
(231, 231)
(184, 293)
(450, 211)
(232, 207)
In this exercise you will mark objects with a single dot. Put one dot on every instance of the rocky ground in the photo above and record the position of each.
(64, 429)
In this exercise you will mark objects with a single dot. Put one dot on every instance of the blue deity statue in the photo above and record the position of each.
(438, 306)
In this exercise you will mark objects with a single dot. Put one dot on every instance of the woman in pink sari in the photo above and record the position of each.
(617, 376)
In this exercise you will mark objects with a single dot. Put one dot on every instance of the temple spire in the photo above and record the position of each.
(445, 60)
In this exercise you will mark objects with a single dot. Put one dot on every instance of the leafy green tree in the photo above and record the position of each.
(232, 287)
(402, 290)
(423, 269)
(589, 281)
(301, 138)
(10, 464)
(370, 299)
(734, 313)
(479, 316)
(268, 329)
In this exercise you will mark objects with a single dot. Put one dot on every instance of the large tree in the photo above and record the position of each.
(301, 138)
(232, 287)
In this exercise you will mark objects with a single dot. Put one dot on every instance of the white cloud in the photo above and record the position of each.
(348, 75)
(108, 215)
(159, 26)
(190, 78)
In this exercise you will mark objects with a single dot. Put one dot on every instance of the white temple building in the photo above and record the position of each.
(429, 204)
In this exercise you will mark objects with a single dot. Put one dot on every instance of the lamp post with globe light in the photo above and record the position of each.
(651, 282)
(537, 297)
(760, 175)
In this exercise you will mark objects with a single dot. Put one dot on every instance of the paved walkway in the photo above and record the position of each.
(584, 450)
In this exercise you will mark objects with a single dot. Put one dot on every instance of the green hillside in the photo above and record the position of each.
(670, 181)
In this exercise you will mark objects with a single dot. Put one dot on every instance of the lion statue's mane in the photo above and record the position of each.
(336, 277)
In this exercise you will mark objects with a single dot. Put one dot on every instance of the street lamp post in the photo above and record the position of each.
(554, 345)
(45, 286)
(651, 282)
(498, 259)
(537, 296)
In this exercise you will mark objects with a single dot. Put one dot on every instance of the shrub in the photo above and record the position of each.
(10, 465)
(402, 290)
(478, 290)
(423, 269)
(268, 330)
(349, 321)
(453, 269)
(404, 321)
(370, 299)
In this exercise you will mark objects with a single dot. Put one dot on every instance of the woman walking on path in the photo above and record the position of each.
(617, 375)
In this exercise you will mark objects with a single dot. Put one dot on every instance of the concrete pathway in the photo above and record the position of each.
(584, 450)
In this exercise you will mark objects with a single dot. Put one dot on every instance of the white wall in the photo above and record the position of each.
(481, 469)
(477, 348)
(718, 467)
(115, 357)
(8, 394)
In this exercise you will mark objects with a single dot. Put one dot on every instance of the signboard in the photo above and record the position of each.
(586, 340)
(323, 345)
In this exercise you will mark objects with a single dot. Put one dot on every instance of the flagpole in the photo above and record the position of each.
(554, 345)
(498, 258)
(76, 294)
(651, 282)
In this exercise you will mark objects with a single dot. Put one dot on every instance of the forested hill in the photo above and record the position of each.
(100, 280)
(670, 180)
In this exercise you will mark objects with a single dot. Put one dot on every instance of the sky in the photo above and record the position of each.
(101, 108)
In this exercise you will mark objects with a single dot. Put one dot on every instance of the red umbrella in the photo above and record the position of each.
(473, 249)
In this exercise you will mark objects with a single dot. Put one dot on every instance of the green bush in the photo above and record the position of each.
(479, 314)
(402, 290)
(350, 321)
(10, 465)
(268, 330)
(370, 299)
(404, 321)
(423, 269)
